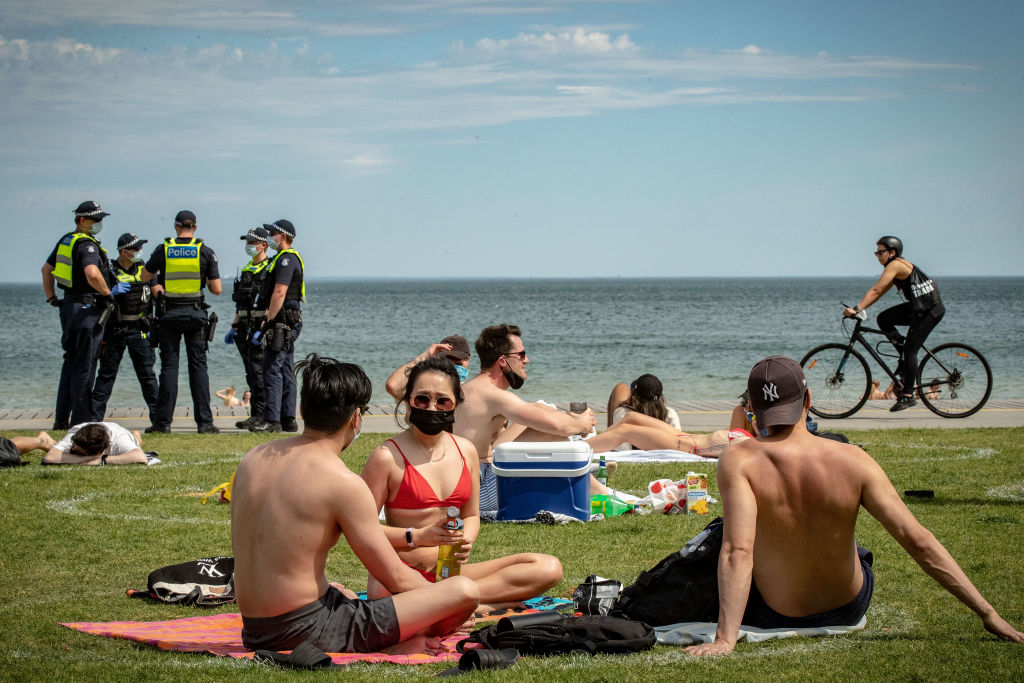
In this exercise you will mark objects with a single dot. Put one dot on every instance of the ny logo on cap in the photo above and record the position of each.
(771, 392)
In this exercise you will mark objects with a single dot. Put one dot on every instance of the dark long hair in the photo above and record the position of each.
(438, 364)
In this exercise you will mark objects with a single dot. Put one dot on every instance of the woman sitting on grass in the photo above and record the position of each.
(425, 469)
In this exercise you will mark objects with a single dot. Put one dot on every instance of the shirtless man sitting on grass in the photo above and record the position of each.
(492, 414)
(790, 503)
(291, 502)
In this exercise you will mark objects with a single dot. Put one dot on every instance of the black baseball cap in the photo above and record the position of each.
(282, 226)
(256, 234)
(646, 387)
(185, 217)
(777, 387)
(129, 240)
(90, 209)
(460, 347)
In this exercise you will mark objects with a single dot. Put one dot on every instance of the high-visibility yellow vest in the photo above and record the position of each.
(293, 293)
(181, 269)
(62, 271)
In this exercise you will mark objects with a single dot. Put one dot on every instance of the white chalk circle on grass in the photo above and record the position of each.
(83, 506)
(1014, 492)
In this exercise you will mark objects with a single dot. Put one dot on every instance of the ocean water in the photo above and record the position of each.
(700, 336)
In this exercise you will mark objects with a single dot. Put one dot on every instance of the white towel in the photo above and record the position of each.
(697, 632)
(662, 455)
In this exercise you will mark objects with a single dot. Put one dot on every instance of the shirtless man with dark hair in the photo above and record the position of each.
(292, 500)
(790, 503)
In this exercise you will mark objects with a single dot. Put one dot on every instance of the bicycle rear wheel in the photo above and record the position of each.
(961, 377)
(839, 380)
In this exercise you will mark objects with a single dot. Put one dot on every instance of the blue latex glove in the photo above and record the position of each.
(257, 336)
(229, 338)
(120, 288)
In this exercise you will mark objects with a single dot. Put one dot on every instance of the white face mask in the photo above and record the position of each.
(276, 243)
(96, 228)
(137, 257)
(252, 250)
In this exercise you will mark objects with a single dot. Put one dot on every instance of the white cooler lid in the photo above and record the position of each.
(555, 450)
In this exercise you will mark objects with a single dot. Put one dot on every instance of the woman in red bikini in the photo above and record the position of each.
(417, 474)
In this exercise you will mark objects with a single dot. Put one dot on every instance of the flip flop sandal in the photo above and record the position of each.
(483, 659)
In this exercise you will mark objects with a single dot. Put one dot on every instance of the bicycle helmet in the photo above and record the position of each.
(890, 242)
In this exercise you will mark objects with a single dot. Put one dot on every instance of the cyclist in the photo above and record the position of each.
(921, 311)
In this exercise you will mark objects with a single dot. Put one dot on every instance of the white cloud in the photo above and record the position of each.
(751, 50)
(576, 41)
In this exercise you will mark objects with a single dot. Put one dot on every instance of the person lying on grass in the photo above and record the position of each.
(98, 443)
(419, 473)
(291, 501)
(650, 434)
(790, 503)
(13, 448)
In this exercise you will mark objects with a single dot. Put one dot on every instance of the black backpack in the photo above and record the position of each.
(206, 582)
(682, 587)
(550, 633)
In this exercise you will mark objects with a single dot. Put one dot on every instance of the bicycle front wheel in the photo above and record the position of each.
(839, 380)
(954, 381)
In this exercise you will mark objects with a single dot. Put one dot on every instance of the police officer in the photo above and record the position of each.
(248, 316)
(185, 266)
(283, 292)
(127, 327)
(79, 266)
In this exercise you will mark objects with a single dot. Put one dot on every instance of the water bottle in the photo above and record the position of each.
(447, 565)
(602, 472)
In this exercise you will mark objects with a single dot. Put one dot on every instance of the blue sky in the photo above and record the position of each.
(449, 138)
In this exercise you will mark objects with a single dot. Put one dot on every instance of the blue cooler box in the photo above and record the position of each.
(543, 475)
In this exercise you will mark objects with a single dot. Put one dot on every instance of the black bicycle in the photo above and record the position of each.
(953, 380)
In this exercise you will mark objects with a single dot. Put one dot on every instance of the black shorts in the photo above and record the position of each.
(9, 453)
(333, 623)
(760, 615)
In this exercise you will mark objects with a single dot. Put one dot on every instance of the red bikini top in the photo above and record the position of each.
(416, 493)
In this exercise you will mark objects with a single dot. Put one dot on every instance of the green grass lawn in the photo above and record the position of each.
(74, 538)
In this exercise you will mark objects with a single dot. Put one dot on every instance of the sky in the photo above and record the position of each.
(534, 138)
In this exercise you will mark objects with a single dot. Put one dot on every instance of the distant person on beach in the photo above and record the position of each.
(454, 347)
(127, 328)
(284, 290)
(78, 265)
(876, 391)
(406, 475)
(492, 414)
(99, 443)
(247, 398)
(291, 501)
(921, 311)
(13, 448)
(228, 396)
(249, 314)
(643, 395)
(183, 266)
(789, 557)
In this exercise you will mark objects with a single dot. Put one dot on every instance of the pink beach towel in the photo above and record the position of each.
(221, 634)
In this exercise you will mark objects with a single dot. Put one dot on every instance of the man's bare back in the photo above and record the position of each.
(790, 503)
(286, 510)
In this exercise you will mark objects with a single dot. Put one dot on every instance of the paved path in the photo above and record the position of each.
(697, 416)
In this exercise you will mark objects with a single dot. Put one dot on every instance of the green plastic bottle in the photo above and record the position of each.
(447, 564)
(602, 472)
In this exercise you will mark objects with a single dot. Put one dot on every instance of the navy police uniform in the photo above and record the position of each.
(279, 334)
(184, 265)
(81, 315)
(248, 295)
(128, 328)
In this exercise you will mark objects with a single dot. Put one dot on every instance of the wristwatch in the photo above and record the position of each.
(408, 538)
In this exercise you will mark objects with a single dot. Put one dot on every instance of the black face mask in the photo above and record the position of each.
(514, 381)
(431, 422)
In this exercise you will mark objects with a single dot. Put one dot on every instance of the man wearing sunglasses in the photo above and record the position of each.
(128, 328)
(492, 414)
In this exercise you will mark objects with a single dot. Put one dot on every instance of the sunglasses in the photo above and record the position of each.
(521, 354)
(422, 401)
(881, 251)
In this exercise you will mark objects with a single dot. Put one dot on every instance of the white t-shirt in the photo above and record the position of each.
(121, 440)
(672, 418)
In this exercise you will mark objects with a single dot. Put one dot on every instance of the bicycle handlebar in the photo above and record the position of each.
(859, 315)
